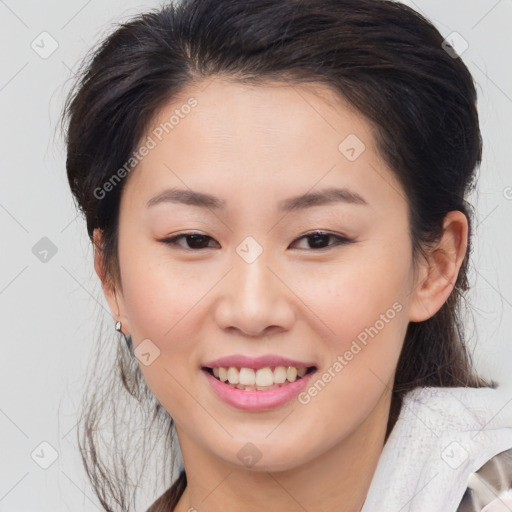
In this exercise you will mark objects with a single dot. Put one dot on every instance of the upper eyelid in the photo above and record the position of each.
(339, 237)
(307, 234)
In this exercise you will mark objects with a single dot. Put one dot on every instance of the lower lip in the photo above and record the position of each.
(257, 400)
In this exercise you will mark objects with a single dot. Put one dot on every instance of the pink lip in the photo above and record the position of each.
(240, 361)
(257, 400)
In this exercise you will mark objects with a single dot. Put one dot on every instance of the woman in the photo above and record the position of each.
(276, 194)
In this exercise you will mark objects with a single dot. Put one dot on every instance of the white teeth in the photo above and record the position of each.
(223, 374)
(280, 375)
(291, 373)
(247, 377)
(262, 379)
(233, 375)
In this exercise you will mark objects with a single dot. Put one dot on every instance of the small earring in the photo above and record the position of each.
(118, 326)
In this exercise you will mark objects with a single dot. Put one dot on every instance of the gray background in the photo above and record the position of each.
(50, 310)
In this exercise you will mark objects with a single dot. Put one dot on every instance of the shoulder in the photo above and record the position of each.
(457, 410)
(490, 488)
(168, 501)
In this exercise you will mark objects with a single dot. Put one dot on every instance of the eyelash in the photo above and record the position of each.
(340, 240)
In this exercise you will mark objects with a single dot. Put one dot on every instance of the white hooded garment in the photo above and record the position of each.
(441, 438)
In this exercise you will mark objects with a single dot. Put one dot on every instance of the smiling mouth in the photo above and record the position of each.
(262, 379)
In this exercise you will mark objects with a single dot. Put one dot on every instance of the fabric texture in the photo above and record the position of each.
(442, 437)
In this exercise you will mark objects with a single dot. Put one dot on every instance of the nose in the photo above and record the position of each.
(255, 301)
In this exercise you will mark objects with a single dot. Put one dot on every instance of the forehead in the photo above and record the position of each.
(270, 115)
(276, 136)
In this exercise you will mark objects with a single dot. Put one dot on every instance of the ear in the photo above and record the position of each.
(438, 274)
(111, 289)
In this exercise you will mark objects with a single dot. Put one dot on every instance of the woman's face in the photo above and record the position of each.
(258, 282)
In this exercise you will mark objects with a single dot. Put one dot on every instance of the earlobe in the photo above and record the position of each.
(109, 289)
(439, 272)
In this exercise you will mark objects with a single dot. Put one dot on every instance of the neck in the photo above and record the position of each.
(337, 479)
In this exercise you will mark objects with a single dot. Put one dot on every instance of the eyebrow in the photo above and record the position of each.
(203, 200)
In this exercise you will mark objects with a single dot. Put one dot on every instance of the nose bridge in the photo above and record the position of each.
(251, 279)
(255, 300)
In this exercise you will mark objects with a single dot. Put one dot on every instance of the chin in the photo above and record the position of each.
(269, 457)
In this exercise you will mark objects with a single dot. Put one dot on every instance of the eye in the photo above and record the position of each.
(193, 240)
(319, 240)
(316, 240)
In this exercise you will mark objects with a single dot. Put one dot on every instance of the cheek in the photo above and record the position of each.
(367, 325)
(159, 304)
(364, 305)
(367, 295)
(159, 296)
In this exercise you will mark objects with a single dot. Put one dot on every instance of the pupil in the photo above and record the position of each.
(316, 239)
(195, 238)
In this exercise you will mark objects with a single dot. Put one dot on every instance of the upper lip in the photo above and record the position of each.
(241, 361)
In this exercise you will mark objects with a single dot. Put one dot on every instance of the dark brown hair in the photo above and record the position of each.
(385, 59)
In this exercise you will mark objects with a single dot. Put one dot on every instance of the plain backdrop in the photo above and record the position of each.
(49, 309)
